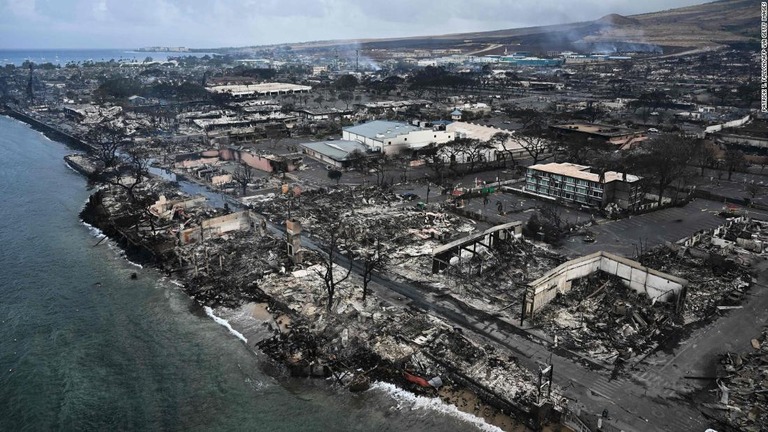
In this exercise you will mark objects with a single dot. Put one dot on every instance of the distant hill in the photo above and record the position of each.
(617, 20)
(706, 26)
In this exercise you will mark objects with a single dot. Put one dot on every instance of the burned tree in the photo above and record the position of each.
(371, 247)
(503, 139)
(379, 165)
(754, 190)
(108, 140)
(547, 225)
(336, 241)
(243, 175)
(665, 160)
(533, 138)
(535, 144)
(434, 161)
(734, 161)
(470, 151)
(335, 174)
(705, 155)
(358, 160)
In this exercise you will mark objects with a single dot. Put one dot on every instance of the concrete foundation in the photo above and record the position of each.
(655, 284)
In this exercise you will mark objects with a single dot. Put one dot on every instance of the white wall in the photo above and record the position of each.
(654, 284)
(412, 140)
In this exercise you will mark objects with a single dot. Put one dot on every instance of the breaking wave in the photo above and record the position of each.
(94, 231)
(133, 263)
(225, 323)
(406, 400)
(73, 170)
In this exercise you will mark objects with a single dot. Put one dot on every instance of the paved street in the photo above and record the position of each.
(650, 397)
(627, 236)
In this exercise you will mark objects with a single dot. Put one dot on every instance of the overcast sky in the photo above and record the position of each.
(222, 23)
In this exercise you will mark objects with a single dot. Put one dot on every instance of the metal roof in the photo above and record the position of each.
(336, 150)
(379, 129)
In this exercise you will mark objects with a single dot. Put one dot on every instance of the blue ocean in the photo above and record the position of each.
(63, 56)
(84, 347)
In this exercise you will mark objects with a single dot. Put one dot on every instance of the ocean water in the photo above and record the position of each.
(83, 347)
(64, 56)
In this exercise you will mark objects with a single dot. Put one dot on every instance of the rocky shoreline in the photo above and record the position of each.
(301, 341)
(289, 336)
(356, 345)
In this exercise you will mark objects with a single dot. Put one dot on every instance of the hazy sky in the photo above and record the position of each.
(220, 23)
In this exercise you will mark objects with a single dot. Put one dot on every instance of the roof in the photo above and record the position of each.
(473, 237)
(336, 150)
(257, 88)
(483, 133)
(582, 172)
(596, 129)
(456, 112)
(379, 129)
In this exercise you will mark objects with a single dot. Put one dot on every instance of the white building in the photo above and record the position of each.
(244, 91)
(510, 146)
(391, 137)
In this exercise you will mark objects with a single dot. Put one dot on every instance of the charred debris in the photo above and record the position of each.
(230, 258)
(353, 335)
(741, 393)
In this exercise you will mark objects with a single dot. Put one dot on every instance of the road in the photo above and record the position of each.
(628, 236)
(640, 403)
(644, 401)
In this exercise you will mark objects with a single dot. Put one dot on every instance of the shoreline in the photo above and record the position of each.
(49, 131)
(141, 255)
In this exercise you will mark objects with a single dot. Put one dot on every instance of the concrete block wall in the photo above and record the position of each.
(654, 284)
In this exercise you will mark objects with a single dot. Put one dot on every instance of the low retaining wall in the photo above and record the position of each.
(50, 131)
(655, 284)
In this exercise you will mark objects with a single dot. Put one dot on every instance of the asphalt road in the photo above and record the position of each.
(628, 236)
(631, 406)
(643, 402)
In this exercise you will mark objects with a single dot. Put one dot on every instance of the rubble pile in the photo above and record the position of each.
(408, 234)
(240, 266)
(717, 270)
(506, 270)
(606, 319)
(227, 270)
(451, 352)
(743, 388)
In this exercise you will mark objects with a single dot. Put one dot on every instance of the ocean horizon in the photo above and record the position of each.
(62, 56)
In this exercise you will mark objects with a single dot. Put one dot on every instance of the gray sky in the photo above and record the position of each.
(221, 23)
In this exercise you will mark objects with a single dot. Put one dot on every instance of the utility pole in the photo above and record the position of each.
(545, 380)
(30, 88)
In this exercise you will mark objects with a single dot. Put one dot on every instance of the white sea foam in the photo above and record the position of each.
(76, 171)
(225, 323)
(133, 263)
(408, 400)
(95, 231)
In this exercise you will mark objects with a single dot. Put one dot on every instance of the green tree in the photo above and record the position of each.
(734, 161)
(346, 83)
(665, 160)
(335, 175)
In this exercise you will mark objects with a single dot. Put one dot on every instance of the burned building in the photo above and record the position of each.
(621, 137)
